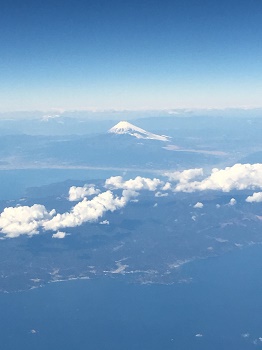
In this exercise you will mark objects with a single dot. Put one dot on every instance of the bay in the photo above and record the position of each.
(219, 309)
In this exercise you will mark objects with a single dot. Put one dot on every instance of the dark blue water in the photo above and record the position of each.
(13, 183)
(223, 301)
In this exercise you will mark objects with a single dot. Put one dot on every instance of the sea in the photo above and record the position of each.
(219, 309)
(14, 183)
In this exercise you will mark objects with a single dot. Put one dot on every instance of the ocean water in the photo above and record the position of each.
(219, 309)
(13, 183)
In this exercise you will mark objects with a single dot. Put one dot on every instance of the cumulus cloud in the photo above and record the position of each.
(238, 177)
(59, 235)
(167, 186)
(185, 175)
(78, 193)
(15, 221)
(137, 184)
(198, 205)
(89, 210)
(256, 197)
(232, 201)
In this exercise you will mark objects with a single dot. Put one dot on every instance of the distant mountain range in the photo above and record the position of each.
(193, 143)
(124, 146)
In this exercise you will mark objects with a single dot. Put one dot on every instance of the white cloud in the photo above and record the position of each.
(128, 194)
(59, 235)
(89, 210)
(160, 194)
(256, 197)
(105, 222)
(239, 177)
(232, 201)
(78, 193)
(198, 205)
(167, 186)
(185, 175)
(137, 184)
(16, 221)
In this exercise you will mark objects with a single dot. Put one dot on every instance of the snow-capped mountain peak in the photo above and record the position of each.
(124, 127)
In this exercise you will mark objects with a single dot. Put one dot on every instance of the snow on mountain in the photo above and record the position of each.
(124, 127)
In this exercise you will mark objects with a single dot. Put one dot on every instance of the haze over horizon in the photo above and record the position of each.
(74, 55)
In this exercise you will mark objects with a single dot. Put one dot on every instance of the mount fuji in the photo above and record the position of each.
(124, 146)
(124, 127)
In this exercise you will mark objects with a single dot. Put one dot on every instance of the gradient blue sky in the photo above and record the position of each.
(130, 54)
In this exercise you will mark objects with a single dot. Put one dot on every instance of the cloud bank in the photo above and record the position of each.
(237, 177)
(28, 220)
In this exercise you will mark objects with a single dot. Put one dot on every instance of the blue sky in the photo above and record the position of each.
(130, 54)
